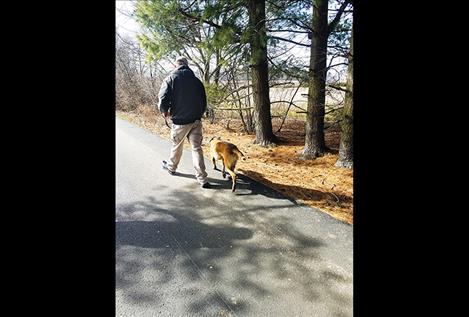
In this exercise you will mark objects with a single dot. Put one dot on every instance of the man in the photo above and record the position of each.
(182, 97)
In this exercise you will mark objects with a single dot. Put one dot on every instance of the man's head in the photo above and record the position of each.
(181, 61)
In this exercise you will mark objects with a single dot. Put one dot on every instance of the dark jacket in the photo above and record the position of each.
(183, 95)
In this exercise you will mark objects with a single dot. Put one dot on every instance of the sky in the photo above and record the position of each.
(125, 25)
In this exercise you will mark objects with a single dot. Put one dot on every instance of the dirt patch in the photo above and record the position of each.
(316, 183)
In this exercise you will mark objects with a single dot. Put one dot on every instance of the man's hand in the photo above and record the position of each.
(165, 116)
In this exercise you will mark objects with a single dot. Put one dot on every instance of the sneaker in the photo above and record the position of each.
(165, 166)
(206, 185)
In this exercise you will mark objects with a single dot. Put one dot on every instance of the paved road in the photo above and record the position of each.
(186, 251)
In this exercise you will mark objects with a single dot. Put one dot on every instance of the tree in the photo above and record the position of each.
(208, 28)
(254, 34)
(260, 73)
(346, 137)
(172, 28)
(133, 87)
(315, 145)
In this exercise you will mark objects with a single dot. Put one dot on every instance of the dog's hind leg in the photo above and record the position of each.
(233, 177)
(214, 163)
(223, 172)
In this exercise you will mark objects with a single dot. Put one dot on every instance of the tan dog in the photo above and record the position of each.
(229, 154)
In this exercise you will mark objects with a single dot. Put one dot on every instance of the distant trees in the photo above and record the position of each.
(136, 81)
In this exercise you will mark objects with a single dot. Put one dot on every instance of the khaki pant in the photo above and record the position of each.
(193, 132)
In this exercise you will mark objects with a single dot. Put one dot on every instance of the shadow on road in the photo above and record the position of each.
(244, 186)
(248, 247)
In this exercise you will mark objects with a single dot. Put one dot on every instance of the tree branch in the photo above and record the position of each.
(330, 66)
(198, 19)
(337, 87)
(190, 5)
(289, 106)
(283, 70)
(287, 40)
(301, 26)
(246, 108)
(336, 19)
(286, 101)
(292, 31)
(195, 18)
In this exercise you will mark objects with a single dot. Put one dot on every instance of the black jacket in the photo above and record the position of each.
(183, 95)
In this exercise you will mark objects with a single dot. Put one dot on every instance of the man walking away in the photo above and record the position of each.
(182, 98)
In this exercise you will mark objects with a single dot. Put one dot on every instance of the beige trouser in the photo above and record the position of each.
(193, 132)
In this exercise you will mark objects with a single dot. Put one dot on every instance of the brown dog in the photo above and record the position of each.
(229, 154)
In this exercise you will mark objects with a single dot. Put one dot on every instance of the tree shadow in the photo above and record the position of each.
(193, 234)
(294, 159)
(305, 193)
(295, 135)
(230, 257)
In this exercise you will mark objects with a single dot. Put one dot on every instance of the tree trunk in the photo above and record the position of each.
(346, 137)
(217, 67)
(249, 120)
(260, 73)
(315, 144)
(207, 71)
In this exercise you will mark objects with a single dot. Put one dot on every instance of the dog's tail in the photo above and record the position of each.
(240, 153)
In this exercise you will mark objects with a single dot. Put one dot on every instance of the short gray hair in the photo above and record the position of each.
(181, 61)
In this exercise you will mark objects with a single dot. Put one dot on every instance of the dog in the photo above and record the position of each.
(229, 154)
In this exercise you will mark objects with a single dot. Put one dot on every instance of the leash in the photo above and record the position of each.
(166, 121)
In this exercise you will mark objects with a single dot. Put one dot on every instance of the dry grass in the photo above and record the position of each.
(317, 183)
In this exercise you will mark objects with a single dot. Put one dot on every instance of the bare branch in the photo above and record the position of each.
(295, 22)
(336, 19)
(287, 40)
(288, 30)
(332, 110)
(237, 109)
(190, 5)
(293, 104)
(130, 44)
(337, 87)
(330, 66)
(127, 14)
(289, 106)
(283, 53)
(282, 69)
(195, 18)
